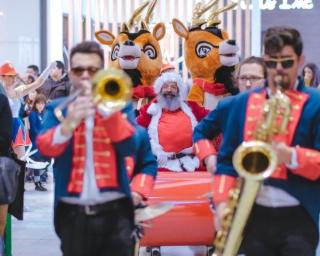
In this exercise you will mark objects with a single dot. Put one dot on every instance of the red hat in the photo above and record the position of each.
(7, 70)
(166, 66)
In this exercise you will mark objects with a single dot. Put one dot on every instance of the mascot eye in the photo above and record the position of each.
(115, 52)
(203, 49)
(150, 51)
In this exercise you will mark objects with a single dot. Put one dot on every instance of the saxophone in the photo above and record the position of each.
(254, 161)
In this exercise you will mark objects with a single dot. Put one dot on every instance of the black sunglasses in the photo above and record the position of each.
(285, 63)
(78, 71)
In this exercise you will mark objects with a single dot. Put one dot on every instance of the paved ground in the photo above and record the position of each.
(35, 235)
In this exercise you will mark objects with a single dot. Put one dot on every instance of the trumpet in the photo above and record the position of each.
(111, 89)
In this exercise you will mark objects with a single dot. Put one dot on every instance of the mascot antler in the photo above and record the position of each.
(199, 10)
(145, 23)
(213, 19)
(135, 17)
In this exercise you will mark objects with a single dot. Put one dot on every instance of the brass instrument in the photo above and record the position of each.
(111, 89)
(254, 161)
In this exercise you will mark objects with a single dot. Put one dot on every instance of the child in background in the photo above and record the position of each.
(35, 120)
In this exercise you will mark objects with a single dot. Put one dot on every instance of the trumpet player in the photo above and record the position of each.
(284, 217)
(93, 201)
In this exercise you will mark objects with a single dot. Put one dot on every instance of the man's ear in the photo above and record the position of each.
(302, 60)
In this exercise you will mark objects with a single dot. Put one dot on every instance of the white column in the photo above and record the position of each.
(255, 29)
(77, 21)
(54, 30)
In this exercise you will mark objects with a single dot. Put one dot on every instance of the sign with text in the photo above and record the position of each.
(280, 4)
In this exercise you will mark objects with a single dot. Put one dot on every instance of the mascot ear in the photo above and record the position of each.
(105, 37)
(159, 31)
(180, 29)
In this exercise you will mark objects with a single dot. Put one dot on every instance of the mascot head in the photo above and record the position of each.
(136, 49)
(207, 47)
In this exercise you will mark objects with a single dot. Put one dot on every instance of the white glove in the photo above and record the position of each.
(211, 163)
(162, 158)
(45, 74)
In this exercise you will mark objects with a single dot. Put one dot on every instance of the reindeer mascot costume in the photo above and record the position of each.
(209, 55)
(137, 53)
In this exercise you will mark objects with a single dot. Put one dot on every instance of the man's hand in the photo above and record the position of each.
(82, 107)
(219, 215)
(283, 152)
(136, 198)
(211, 163)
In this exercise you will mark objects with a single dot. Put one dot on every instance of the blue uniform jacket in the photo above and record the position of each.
(63, 163)
(306, 135)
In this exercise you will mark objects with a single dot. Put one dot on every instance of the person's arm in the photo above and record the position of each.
(51, 140)
(145, 170)
(308, 159)
(34, 123)
(144, 118)
(25, 89)
(6, 124)
(203, 134)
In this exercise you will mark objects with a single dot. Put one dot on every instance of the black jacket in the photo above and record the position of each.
(5, 125)
(55, 89)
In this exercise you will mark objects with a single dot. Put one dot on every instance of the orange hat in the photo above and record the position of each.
(7, 70)
(166, 66)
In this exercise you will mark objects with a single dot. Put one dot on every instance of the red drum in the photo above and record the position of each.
(190, 222)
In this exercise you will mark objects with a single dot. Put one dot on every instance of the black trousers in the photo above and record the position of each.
(285, 231)
(105, 233)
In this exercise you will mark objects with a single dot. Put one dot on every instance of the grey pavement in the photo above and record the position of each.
(35, 234)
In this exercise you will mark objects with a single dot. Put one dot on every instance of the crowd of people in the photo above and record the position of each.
(106, 163)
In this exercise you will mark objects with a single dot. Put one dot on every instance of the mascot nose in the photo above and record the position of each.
(129, 42)
(232, 42)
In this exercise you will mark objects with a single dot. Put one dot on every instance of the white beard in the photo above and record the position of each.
(171, 104)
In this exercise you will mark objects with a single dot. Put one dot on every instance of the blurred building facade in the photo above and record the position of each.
(40, 31)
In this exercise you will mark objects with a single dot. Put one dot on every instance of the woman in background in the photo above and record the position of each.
(15, 93)
(311, 75)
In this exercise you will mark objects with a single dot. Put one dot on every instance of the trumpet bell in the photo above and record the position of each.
(112, 89)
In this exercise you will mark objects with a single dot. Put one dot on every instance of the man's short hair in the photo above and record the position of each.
(60, 65)
(255, 60)
(35, 68)
(88, 47)
(278, 37)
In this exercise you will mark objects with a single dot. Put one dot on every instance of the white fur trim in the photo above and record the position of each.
(188, 162)
(170, 77)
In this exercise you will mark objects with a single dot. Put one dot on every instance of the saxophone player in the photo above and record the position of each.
(284, 217)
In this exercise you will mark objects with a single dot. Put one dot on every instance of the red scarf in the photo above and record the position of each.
(104, 158)
(216, 89)
(143, 91)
